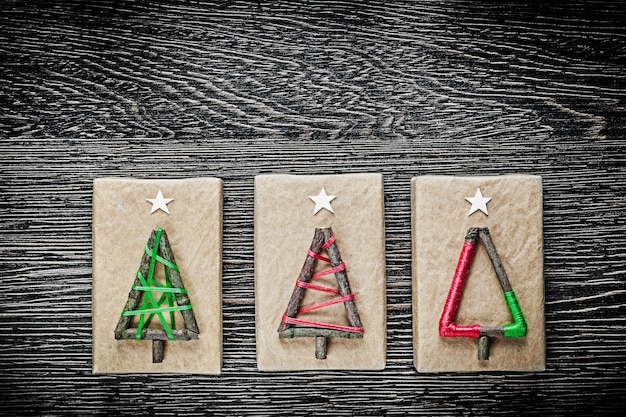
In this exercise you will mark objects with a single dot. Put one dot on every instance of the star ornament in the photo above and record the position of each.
(159, 203)
(322, 201)
(478, 203)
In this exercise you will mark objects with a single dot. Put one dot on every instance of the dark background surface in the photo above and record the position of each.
(234, 89)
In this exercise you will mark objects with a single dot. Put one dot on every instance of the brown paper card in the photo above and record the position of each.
(122, 224)
(284, 227)
(440, 222)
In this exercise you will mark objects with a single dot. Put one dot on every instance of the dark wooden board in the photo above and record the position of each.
(235, 89)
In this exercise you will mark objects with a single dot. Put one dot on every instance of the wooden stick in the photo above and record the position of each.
(305, 276)
(320, 347)
(483, 232)
(483, 348)
(157, 351)
(134, 296)
(156, 334)
(472, 235)
(293, 332)
(177, 282)
(342, 280)
(492, 331)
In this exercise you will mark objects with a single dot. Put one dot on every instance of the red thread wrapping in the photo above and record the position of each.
(329, 242)
(334, 270)
(310, 286)
(312, 307)
(291, 320)
(307, 285)
(318, 256)
(447, 324)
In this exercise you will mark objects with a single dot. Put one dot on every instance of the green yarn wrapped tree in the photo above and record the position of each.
(150, 298)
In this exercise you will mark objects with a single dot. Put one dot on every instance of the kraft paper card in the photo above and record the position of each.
(322, 238)
(444, 209)
(157, 248)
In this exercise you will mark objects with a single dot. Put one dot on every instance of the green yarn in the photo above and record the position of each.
(151, 306)
(518, 328)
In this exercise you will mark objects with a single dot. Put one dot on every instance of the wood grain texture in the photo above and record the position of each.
(234, 89)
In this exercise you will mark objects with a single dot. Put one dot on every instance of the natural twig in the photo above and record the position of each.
(134, 296)
(156, 334)
(305, 276)
(157, 351)
(495, 259)
(293, 332)
(320, 347)
(483, 348)
(177, 282)
(342, 281)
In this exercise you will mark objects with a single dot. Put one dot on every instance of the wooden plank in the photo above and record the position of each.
(235, 89)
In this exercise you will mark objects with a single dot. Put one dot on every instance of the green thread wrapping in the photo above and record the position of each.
(159, 258)
(156, 310)
(160, 289)
(518, 328)
(150, 306)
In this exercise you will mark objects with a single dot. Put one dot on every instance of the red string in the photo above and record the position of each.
(329, 242)
(291, 320)
(447, 324)
(345, 298)
(307, 285)
(336, 269)
(316, 287)
(318, 256)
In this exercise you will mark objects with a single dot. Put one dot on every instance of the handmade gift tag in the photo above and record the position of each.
(157, 299)
(320, 272)
(478, 301)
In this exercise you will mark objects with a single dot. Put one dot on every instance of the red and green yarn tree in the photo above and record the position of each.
(150, 298)
(292, 326)
(447, 324)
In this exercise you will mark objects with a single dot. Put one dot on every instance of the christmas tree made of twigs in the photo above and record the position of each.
(292, 325)
(150, 298)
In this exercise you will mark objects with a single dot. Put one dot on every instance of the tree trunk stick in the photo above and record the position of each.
(342, 281)
(134, 296)
(177, 282)
(320, 347)
(483, 348)
(305, 276)
(157, 351)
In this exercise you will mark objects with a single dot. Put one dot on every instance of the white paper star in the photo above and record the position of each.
(478, 203)
(159, 203)
(322, 201)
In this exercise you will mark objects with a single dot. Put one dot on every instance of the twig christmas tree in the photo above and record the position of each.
(447, 324)
(323, 239)
(145, 302)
